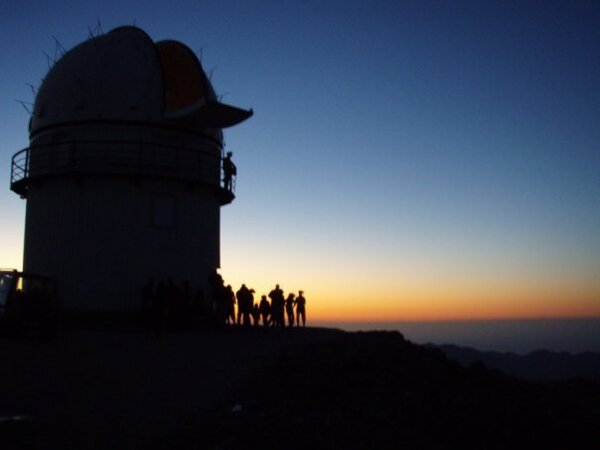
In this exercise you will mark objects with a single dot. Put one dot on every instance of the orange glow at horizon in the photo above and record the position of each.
(357, 300)
(432, 308)
(359, 282)
(455, 305)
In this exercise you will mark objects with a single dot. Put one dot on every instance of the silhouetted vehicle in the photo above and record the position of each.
(28, 304)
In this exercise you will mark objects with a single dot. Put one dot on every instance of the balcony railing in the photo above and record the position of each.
(132, 159)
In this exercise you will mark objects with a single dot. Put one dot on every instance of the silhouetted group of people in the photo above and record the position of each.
(165, 304)
(251, 313)
(291, 306)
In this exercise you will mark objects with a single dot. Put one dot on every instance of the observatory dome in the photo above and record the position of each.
(123, 76)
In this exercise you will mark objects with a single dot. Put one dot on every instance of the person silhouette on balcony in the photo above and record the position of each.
(229, 171)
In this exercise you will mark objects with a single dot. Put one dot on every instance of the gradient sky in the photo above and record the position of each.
(406, 160)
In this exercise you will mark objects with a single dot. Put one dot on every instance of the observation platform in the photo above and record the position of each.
(135, 160)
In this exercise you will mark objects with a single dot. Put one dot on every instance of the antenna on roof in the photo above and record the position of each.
(201, 52)
(210, 73)
(59, 50)
(49, 60)
(27, 106)
(97, 31)
(222, 95)
(33, 89)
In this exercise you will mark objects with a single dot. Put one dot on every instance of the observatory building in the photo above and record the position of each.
(123, 175)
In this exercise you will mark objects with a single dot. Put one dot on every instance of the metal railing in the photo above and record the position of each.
(20, 166)
(134, 159)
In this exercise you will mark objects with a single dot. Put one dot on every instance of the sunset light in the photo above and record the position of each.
(293, 225)
(400, 164)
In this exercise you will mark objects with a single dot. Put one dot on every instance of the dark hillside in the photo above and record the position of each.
(273, 389)
(376, 390)
(538, 365)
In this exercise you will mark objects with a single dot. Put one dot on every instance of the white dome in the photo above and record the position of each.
(123, 76)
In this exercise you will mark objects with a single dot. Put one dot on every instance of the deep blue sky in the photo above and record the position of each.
(396, 147)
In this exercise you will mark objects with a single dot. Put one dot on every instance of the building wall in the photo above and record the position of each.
(104, 239)
(105, 235)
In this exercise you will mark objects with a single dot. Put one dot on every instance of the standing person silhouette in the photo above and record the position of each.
(245, 300)
(277, 306)
(289, 309)
(242, 296)
(249, 307)
(265, 310)
(229, 295)
(300, 309)
(229, 171)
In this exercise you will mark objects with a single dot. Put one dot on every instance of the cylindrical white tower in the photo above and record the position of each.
(123, 174)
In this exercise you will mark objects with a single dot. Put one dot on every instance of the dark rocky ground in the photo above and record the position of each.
(375, 390)
(280, 389)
